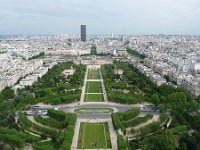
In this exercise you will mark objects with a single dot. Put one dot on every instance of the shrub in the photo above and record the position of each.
(121, 143)
(49, 122)
(117, 123)
(28, 124)
(138, 121)
(130, 114)
(12, 140)
(57, 115)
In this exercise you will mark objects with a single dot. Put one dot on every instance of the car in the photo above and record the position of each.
(56, 108)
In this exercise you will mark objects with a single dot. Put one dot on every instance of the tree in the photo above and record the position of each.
(165, 89)
(164, 141)
(155, 99)
(7, 93)
(183, 146)
(167, 78)
(178, 98)
(193, 105)
(163, 99)
(121, 143)
(93, 50)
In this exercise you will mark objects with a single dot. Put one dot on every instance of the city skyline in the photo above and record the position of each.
(130, 17)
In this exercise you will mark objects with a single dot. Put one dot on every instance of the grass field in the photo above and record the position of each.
(94, 98)
(93, 74)
(94, 110)
(94, 136)
(93, 87)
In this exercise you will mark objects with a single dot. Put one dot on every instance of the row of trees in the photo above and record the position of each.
(121, 143)
(120, 97)
(93, 50)
(61, 98)
(135, 53)
(117, 123)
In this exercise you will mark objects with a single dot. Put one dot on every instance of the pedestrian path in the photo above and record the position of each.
(84, 86)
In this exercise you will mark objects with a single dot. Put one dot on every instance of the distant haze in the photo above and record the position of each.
(100, 16)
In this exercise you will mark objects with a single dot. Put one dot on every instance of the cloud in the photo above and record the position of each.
(102, 16)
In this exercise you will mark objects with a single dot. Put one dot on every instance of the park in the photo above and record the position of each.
(118, 107)
(94, 136)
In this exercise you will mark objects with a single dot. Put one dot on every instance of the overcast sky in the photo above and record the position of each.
(100, 16)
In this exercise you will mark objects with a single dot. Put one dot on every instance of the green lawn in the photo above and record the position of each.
(94, 136)
(93, 87)
(93, 74)
(94, 98)
(94, 110)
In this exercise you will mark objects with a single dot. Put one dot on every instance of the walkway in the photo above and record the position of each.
(84, 86)
(103, 88)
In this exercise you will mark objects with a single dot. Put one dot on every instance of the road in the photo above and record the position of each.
(117, 107)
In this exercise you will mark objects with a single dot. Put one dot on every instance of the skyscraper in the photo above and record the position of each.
(83, 33)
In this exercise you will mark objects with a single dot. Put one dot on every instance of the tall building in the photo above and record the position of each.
(83, 33)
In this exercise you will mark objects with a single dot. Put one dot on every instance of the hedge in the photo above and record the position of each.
(12, 140)
(68, 138)
(130, 114)
(117, 123)
(43, 146)
(57, 115)
(70, 119)
(151, 128)
(119, 97)
(68, 98)
(178, 130)
(26, 137)
(28, 124)
(121, 143)
(138, 121)
(50, 122)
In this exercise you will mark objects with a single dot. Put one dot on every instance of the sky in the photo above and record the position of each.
(130, 17)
